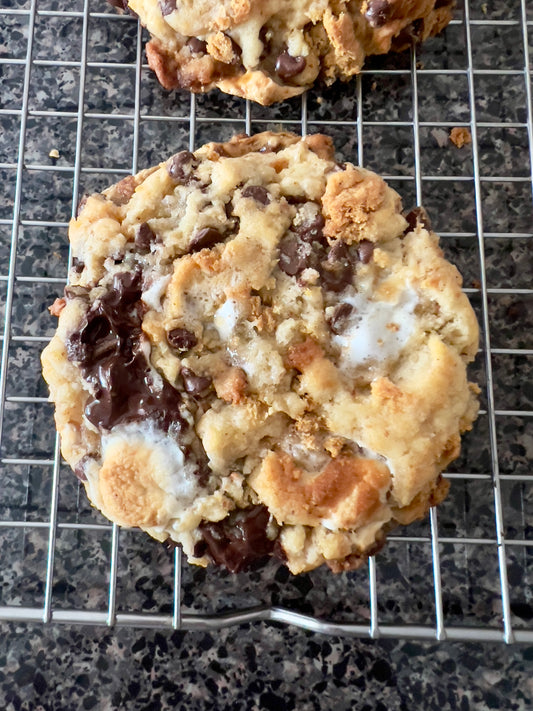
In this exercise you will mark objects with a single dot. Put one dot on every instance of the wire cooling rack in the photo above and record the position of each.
(78, 111)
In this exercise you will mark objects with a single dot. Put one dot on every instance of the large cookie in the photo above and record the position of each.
(259, 354)
(269, 50)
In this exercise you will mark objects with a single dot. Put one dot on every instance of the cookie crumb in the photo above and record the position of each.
(460, 136)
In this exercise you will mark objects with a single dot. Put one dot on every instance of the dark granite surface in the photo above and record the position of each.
(267, 665)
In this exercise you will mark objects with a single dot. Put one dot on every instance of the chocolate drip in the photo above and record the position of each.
(238, 540)
(108, 348)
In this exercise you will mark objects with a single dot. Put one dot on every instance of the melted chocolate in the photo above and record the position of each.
(238, 540)
(108, 348)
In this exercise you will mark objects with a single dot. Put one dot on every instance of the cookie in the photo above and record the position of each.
(270, 51)
(258, 354)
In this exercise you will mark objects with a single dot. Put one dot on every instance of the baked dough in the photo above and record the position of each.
(270, 50)
(258, 354)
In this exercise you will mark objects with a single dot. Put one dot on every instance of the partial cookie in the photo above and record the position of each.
(259, 354)
(268, 50)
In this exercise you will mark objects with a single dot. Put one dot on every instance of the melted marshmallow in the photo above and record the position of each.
(174, 475)
(226, 318)
(376, 331)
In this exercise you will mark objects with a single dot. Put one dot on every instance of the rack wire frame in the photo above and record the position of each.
(502, 626)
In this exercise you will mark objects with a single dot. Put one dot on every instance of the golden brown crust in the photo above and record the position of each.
(245, 41)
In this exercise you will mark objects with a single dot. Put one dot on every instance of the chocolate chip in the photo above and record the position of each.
(167, 7)
(205, 238)
(195, 385)
(144, 238)
(337, 322)
(288, 66)
(312, 231)
(365, 250)
(295, 256)
(417, 216)
(257, 193)
(77, 265)
(181, 166)
(181, 339)
(378, 12)
(337, 270)
(197, 46)
(238, 540)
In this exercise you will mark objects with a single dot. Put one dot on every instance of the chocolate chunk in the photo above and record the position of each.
(181, 339)
(205, 238)
(197, 46)
(257, 193)
(417, 216)
(337, 322)
(337, 270)
(238, 540)
(181, 166)
(167, 7)
(378, 12)
(365, 250)
(144, 238)
(288, 67)
(195, 385)
(312, 231)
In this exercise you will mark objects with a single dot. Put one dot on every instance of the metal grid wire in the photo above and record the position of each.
(72, 78)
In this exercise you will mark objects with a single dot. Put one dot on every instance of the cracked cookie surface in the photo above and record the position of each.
(268, 51)
(259, 354)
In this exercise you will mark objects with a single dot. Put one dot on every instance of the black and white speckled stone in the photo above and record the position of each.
(267, 666)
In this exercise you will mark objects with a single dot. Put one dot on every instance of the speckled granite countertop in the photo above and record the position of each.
(128, 126)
